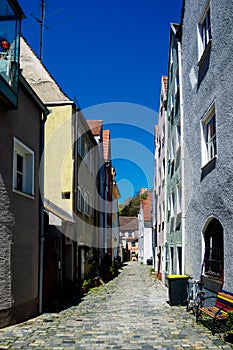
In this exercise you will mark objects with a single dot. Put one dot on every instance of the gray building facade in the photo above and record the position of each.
(20, 211)
(208, 120)
(174, 159)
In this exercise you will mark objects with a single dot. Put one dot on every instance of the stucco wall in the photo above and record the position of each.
(19, 215)
(58, 157)
(209, 194)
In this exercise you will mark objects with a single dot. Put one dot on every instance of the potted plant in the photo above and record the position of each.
(85, 286)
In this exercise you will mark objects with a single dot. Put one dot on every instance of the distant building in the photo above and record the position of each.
(128, 238)
(160, 177)
(174, 167)
(145, 229)
(115, 218)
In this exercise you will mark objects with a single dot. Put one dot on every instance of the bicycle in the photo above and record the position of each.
(195, 296)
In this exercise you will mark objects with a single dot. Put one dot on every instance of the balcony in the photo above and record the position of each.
(10, 28)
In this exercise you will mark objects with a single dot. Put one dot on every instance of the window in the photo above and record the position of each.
(172, 198)
(85, 155)
(205, 35)
(91, 204)
(209, 141)
(178, 197)
(23, 168)
(79, 200)
(65, 195)
(177, 137)
(86, 203)
(179, 260)
(214, 249)
(171, 260)
(79, 143)
(91, 162)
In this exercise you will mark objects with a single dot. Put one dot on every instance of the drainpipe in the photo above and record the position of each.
(182, 155)
(41, 257)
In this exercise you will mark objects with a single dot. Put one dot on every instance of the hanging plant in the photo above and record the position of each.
(5, 45)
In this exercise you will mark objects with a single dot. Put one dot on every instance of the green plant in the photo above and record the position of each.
(85, 283)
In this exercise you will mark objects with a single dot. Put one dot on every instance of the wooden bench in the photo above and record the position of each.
(218, 312)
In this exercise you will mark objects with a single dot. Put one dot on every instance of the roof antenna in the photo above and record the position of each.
(41, 21)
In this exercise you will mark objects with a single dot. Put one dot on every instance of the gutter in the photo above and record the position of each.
(41, 257)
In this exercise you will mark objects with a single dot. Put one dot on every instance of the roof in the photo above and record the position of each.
(147, 207)
(106, 145)
(95, 126)
(165, 83)
(128, 223)
(38, 77)
(33, 95)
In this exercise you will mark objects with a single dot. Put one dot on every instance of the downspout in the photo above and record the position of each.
(76, 117)
(182, 154)
(41, 257)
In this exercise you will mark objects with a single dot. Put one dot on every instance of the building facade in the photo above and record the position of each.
(207, 78)
(145, 229)
(128, 238)
(21, 211)
(160, 184)
(174, 234)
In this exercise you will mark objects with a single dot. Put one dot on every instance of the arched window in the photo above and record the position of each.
(214, 249)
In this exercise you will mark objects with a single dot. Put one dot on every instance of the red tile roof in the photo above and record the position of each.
(95, 126)
(106, 145)
(165, 81)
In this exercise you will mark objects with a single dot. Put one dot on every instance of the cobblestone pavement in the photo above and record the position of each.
(130, 312)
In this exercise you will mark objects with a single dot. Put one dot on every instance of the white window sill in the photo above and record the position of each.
(27, 195)
(209, 162)
(205, 53)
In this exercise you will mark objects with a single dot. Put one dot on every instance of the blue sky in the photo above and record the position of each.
(110, 56)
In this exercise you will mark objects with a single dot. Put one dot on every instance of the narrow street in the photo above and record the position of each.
(130, 312)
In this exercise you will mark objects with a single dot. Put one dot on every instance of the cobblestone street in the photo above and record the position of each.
(130, 312)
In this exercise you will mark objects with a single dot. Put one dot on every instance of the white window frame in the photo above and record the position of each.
(28, 169)
(209, 145)
(86, 203)
(172, 258)
(204, 31)
(85, 153)
(178, 263)
(178, 138)
(91, 161)
(91, 205)
(173, 201)
(79, 143)
(178, 198)
(79, 199)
